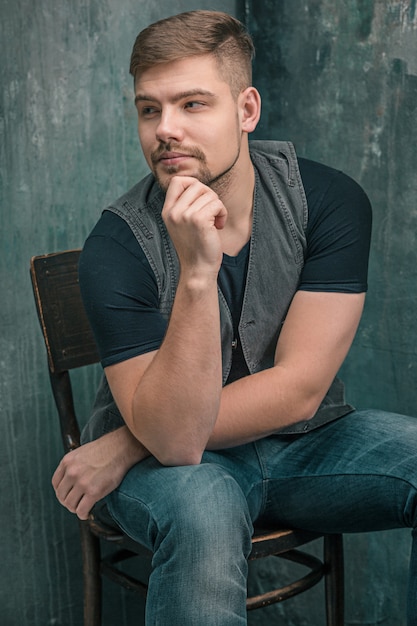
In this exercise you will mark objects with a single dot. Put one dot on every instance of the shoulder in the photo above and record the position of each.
(111, 248)
(325, 185)
(113, 227)
(111, 230)
(335, 201)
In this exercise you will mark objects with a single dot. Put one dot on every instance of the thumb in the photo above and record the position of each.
(220, 219)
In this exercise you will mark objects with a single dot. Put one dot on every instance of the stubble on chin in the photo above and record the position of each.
(220, 183)
(202, 174)
(164, 177)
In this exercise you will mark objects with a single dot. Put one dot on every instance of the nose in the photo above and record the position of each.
(169, 126)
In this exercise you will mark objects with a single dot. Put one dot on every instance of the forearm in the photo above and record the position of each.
(176, 403)
(127, 450)
(259, 405)
(313, 343)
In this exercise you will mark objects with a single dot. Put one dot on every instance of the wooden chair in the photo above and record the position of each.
(70, 344)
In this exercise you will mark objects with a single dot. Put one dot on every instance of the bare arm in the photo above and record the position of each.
(313, 343)
(170, 402)
(175, 423)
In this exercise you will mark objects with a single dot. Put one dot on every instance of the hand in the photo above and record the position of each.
(193, 214)
(89, 473)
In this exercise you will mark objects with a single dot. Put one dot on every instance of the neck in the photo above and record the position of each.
(236, 188)
(237, 197)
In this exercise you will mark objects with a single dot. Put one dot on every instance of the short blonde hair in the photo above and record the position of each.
(196, 33)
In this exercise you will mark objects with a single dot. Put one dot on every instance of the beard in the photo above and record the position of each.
(203, 173)
(220, 183)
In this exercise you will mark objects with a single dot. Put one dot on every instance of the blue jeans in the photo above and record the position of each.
(356, 474)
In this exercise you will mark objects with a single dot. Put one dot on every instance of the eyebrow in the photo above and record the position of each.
(143, 97)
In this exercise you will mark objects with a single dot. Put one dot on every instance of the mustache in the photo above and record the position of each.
(192, 151)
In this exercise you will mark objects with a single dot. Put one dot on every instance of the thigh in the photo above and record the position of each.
(197, 523)
(152, 498)
(358, 473)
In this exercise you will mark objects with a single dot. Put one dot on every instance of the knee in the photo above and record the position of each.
(207, 508)
(196, 507)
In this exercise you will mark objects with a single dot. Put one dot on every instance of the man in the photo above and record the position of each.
(224, 291)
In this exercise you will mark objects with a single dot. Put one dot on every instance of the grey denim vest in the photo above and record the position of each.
(278, 245)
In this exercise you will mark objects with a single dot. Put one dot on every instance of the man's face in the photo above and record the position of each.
(188, 121)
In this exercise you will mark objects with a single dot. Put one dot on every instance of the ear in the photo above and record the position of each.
(249, 102)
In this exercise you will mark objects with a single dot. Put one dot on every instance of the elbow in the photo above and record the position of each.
(176, 454)
(170, 450)
(310, 406)
(174, 458)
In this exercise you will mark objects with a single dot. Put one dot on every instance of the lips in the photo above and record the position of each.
(173, 158)
(174, 155)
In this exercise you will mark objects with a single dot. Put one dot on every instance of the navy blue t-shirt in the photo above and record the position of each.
(120, 291)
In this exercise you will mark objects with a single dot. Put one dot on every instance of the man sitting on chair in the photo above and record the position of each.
(224, 291)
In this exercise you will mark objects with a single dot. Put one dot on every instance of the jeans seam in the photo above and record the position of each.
(150, 516)
(265, 479)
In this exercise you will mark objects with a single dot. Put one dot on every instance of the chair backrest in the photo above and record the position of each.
(66, 331)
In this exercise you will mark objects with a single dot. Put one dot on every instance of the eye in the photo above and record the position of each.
(148, 111)
(194, 105)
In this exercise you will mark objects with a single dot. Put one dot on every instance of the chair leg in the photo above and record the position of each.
(334, 579)
(90, 548)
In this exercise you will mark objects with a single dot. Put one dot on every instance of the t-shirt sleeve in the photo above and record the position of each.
(338, 232)
(119, 292)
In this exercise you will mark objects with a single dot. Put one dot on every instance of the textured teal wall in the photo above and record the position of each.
(68, 146)
(339, 79)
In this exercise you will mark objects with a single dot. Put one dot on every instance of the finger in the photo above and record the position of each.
(69, 496)
(207, 209)
(62, 490)
(57, 476)
(67, 490)
(220, 219)
(84, 507)
(176, 188)
(197, 205)
(62, 469)
(184, 190)
(62, 481)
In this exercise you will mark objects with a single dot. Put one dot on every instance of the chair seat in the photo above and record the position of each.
(265, 542)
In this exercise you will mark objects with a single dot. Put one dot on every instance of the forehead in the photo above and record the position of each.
(189, 74)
